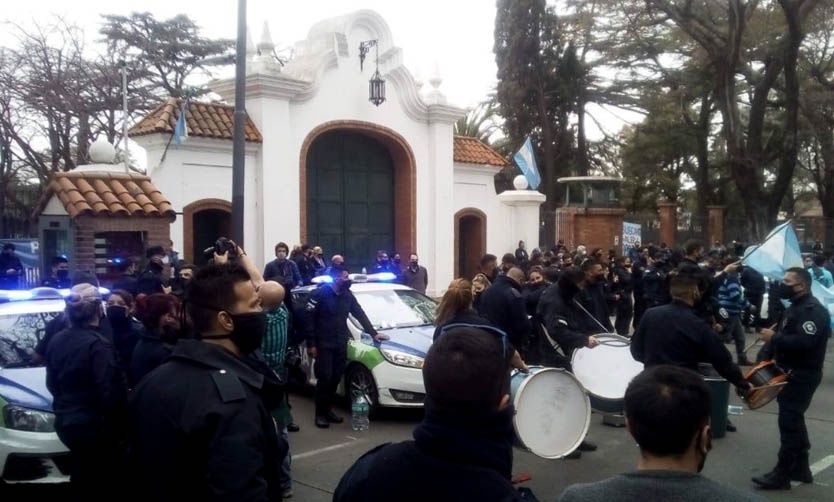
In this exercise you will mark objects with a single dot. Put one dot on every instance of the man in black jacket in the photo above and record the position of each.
(151, 280)
(200, 423)
(674, 334)
(503, 304)
(594, 299)
(462, 450)
(327, 333)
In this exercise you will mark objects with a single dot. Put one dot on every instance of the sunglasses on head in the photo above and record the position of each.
(495, 331)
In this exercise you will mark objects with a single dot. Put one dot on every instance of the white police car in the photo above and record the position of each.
(388, 372)
(30, 450)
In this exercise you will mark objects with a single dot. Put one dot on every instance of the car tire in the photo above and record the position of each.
(360, 376)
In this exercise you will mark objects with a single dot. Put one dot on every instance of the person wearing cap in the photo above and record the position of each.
(151, 280)
(89, 395)
(10, 268)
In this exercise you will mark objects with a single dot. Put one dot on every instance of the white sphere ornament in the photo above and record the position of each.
(520, 182)
(102, 152)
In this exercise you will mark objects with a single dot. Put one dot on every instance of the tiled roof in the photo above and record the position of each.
(474, 151)
(207, 120)
(106, 194)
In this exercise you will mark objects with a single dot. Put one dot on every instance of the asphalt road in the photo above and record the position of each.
(320, 457)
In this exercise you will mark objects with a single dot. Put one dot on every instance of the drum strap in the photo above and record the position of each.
(604, 329)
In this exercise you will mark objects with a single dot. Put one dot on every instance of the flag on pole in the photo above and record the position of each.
(181, 127)
(777, 253)
(525, 159)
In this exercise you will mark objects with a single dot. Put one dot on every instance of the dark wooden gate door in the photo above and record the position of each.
(350, 197)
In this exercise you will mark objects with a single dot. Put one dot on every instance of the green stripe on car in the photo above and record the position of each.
(368, 355)
(3, 404)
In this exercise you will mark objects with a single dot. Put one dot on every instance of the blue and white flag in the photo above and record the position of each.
(525, 159)
(777, 253)
(181, 127)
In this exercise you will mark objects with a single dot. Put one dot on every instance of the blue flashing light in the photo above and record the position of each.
(383, 277)
(322, 279)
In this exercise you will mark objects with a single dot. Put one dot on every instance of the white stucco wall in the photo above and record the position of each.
(324, 84)
(475, 187)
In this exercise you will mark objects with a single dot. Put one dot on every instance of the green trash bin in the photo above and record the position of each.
(719, 389)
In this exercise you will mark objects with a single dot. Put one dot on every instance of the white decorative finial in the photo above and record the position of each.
(250, 45)
(266, 46)
(435, 95)
(520, 182)
(102, 152)
(418, 80)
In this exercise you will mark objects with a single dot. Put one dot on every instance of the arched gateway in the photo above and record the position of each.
(357, 191)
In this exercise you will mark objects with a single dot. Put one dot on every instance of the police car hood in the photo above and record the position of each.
(25, 387)
(414, 340)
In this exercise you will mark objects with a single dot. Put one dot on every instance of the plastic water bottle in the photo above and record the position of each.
(360, 410)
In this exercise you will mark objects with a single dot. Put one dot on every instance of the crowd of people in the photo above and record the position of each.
(184, 382)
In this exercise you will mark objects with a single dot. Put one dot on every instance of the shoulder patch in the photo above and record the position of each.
(809, 327)
(228, 386)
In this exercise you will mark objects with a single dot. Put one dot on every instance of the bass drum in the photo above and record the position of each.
(606, 371)
(552, 411)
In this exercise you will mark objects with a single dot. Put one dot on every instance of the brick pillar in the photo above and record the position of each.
(715, 226)
(668, 212)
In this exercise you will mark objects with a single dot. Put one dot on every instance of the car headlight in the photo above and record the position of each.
(25, 419)
(401, 358)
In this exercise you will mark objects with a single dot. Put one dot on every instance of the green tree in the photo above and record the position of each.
(168, 51)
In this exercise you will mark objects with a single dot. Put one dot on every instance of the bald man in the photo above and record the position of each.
(503, 304)
(335, 263)
(274, 348)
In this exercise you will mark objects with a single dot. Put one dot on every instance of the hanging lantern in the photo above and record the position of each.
(376, 86)
(376, 89)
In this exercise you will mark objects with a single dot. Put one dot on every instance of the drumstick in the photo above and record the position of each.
(757, 340)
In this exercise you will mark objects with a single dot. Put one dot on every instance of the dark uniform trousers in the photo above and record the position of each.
(793, 403)
(97, 460)
(329, 369)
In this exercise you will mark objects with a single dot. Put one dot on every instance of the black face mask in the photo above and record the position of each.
(248, 332)
(117, 315)
(414, 264)
(62, 274)
(785, 292)
(156, 266)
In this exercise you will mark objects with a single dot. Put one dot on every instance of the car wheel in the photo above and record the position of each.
(359, 378)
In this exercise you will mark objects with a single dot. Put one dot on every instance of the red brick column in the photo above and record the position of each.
(668, 222)
(715, 225)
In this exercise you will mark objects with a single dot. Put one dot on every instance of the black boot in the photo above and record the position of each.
(773, 480)
(801, 470)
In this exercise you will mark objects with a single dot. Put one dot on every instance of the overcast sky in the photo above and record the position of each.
(454, 34)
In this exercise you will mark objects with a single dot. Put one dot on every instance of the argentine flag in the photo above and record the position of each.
(181, 127)
(525, 159)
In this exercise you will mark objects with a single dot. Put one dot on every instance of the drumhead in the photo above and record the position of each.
(552, 412)
(607, 369)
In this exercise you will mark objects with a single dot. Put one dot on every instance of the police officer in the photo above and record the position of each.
(200, 422)
(327, 335)
(503, 304)
(89, 395)
(674, 334)
(595, 296)
(799, 348)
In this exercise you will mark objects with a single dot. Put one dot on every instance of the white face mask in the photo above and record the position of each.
(165, 260)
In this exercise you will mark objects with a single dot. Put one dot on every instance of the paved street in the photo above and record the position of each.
(321, 456)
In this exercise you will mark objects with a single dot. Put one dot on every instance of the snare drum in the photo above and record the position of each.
(767, 380)
(552, 411)
(606, 371)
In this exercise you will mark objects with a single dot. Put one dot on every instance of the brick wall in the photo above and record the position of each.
(591, 227)
(157, 233)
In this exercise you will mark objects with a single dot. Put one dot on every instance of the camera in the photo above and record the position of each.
(221, 246)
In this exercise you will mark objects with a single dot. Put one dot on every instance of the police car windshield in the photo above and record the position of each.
(397, 308)
(19, 334)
